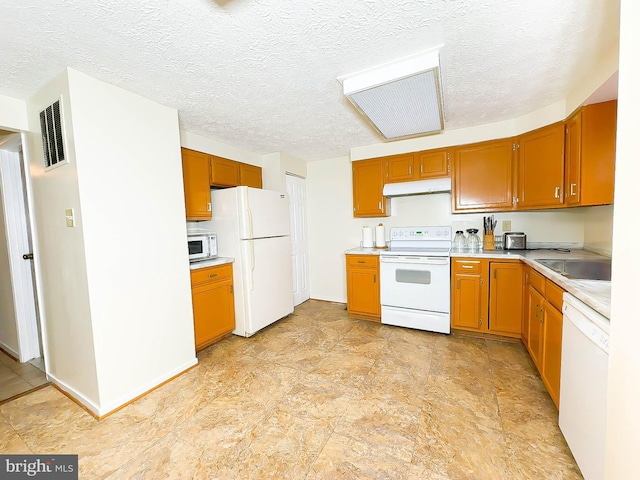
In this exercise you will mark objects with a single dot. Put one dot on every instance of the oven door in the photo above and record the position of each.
(418, 283)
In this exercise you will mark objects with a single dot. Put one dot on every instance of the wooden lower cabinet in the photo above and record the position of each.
(363, 286)
(213, 304)
(487, 296)
(544, 340)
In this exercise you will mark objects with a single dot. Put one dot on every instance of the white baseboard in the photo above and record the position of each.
(9, 350)
(101, 411)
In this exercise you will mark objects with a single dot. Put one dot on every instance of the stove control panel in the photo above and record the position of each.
(421, 233)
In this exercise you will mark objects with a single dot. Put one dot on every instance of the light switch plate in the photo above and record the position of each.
(506, 225)
(71, 220)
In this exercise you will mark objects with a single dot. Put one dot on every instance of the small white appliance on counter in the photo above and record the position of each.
(583, 385)
(415, 279)
(202, 245)
(252, 226)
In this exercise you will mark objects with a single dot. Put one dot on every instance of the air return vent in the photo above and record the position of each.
(52, 136)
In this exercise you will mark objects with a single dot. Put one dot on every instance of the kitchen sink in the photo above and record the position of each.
(580, 269)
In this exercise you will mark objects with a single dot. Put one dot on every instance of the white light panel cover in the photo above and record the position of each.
(401, 98)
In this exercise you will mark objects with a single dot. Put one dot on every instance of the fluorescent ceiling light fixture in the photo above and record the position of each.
(402, 98)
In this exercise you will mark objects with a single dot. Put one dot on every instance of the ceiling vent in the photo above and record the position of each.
(402, 98)
(52, 136)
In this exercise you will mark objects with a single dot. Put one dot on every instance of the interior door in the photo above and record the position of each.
(297, 192)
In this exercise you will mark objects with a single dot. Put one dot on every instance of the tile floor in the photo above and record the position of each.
(17, 378)
(318, 396)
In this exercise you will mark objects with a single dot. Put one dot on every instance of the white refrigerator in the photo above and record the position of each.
(252, 226)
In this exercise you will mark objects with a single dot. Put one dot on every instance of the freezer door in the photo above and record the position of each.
(267, 282)
(263, 213)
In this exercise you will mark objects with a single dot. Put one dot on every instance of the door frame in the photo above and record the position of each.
(25, 279)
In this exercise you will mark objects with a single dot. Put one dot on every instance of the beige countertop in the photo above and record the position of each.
(210, 263)
(594, 293)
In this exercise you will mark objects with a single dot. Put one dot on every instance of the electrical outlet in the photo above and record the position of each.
(70, 217)
(506, 225)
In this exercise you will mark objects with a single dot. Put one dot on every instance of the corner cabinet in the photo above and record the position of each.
(197, 192)
(213, 304)
(487, 296)
(541, 168)
(368, 180)
(363, 286)
(483, 176)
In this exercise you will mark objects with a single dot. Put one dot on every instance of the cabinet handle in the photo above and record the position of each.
(557, 193)
(213, 275)
(515, 200)
(458, 286)
(526, 278)
(380, 205)
(421, 168)
(410, 170)
(467, 266)
(480, 322)
(231, 288)
(209, 207)
(572, 191)
(361, 261)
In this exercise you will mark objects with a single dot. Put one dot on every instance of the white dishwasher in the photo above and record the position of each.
(583, 385)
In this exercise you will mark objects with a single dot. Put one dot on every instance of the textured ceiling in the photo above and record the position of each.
(261, 74)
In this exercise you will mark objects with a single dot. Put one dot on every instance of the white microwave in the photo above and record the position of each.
(202, 246)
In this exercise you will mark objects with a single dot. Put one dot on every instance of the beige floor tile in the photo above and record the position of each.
(13, 386)
(347, 370)
(10, 441)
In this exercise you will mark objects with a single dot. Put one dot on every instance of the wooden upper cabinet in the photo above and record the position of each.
(572, 155)
(224, 172)
(432, 164)
(541, 168)
(483, 176)
(399, 168)
(597, 153)
(368, 180)
(250, 176)
(417, 166)
(197, 192)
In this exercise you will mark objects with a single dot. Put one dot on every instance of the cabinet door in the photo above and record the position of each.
(525, 306)
(250, 176)
(224, 172)
(541, 168)
(483, 176)
(505, 299)
(536, 302)
(598, 153)
(363, 291)
(399, 168)
(572, 142)
(197, 192)
(467, 302)
(213, 312)
(367, 179)
(552, 350)
(432, 164)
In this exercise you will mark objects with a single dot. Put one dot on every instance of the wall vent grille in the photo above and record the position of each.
(52, 136)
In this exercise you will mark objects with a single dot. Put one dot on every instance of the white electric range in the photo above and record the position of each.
(415, 279)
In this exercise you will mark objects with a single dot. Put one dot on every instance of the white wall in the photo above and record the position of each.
(8, 328)
(13, 113)
(623, 417)
(598, 229)
(132, 203)
(215, 147)
(276, 165)
(69, 345)
(332, 228)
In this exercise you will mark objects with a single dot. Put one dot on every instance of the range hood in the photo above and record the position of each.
(419, 187)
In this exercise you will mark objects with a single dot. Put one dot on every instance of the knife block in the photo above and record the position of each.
(488, 242)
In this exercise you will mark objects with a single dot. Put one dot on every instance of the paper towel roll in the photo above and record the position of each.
(380, 239)
(367, 236)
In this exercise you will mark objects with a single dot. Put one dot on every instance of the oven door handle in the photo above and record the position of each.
(415, 260)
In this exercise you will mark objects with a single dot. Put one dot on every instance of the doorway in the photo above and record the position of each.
(297, 193)
(20, 333)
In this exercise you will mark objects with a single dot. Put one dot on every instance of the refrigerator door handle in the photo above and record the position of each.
(250, 222)
(253, 264)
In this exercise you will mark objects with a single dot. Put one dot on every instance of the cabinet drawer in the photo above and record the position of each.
(537, 281)
(467, 266)
(554, 294)
(211, 274)
(362, 261)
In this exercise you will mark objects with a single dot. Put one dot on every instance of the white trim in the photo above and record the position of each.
(8, 349)
(18, 244)
(101, 411)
